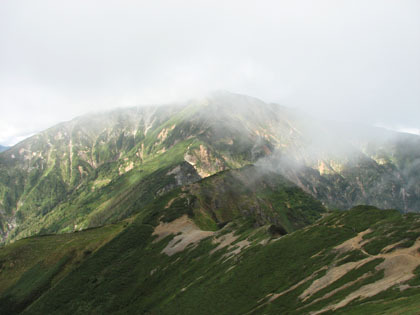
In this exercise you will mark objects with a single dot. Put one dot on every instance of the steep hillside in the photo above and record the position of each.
(31, 266)
(260, 197)
(101, 168)
(375, 166)
(364, 260)
(244, 197)
(60, 179)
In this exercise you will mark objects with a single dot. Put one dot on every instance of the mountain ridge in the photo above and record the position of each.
(74, 161)
(224, 205)
(345, 262)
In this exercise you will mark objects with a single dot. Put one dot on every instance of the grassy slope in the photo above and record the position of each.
(33, 265)
(93, 206)
(189, 200)
(129, 274)
(63, 165)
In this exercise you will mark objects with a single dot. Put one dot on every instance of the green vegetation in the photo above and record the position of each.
(160, 210)
(405, 231)
(87, 172)
(103, 270)
(31, 266)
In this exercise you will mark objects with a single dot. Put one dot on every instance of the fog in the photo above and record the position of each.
(353, 60)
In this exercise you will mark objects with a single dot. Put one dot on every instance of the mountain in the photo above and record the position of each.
(101, 168)
(3, 148)
(76, 174)
(220, 205)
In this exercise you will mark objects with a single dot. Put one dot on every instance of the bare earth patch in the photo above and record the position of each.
(227, 240)
(332, 275)
(189, 234)
(277, 295)
(354, 243)
(398, 267)
(223, 241)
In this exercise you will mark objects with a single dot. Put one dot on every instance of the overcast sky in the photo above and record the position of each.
(356, 60)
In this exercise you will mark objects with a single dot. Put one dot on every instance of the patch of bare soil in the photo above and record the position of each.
(187, 234)
(227, 240)
(277, 295)
(354, 243)
(398, 267)
(223, 241)
(332, 275)
(273, 296)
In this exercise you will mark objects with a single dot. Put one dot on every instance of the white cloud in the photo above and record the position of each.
(414, 131)
(350, 60)
(399, 128)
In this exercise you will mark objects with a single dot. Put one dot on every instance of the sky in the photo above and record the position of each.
(353, 60)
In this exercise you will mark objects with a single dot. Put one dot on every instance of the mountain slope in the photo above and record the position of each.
(348, 261)
(73, 162)
(246, 197)
(33, 265)
(98, 169)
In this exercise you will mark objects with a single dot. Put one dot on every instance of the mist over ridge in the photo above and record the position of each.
(342, 165)
(355, 61)
(209, 157)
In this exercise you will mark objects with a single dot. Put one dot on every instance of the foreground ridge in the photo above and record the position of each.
(365, 259)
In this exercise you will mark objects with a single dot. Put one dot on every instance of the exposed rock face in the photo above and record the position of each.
(184, 174)
(205, 162)
(362, 181)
